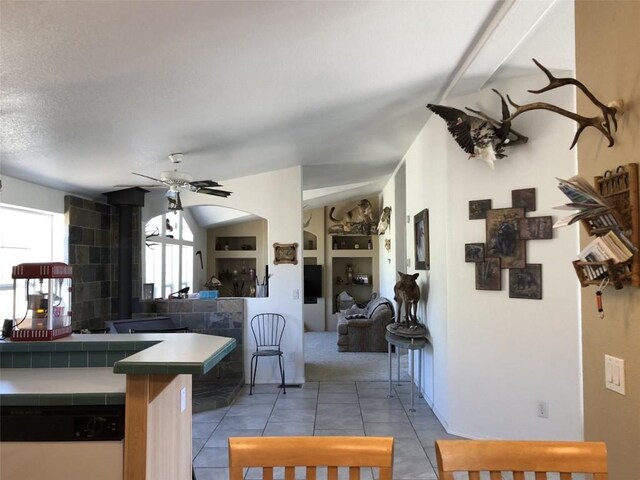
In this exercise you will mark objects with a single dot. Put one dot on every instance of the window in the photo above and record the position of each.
(168, 254)
(26, 236)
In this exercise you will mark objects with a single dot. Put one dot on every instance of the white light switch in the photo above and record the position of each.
(614, 374)
(183, 399)
(295, 294)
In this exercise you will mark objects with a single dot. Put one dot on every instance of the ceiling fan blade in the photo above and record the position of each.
(147, 176)
(205, 183)
(217, 193)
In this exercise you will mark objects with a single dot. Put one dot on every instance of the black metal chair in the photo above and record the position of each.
(267, 331)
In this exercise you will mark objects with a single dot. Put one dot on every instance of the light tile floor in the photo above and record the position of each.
(322, 408)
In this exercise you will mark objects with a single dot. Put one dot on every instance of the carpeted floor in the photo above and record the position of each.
(323, 362)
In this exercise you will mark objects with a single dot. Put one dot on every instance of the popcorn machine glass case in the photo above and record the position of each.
(41, 301)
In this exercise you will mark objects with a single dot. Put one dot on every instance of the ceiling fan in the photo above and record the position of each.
(176, 181)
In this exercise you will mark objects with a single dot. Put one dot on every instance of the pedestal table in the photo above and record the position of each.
(411, 344)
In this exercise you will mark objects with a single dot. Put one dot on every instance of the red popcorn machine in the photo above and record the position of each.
(41, 301)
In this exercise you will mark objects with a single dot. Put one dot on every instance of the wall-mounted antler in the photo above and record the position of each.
(602, 122)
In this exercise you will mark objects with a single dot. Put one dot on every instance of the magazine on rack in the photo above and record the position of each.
(586, 200)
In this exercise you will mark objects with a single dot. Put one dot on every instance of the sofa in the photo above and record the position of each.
(363, 329)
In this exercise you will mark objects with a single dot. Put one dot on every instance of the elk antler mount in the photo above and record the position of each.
(605, 122)
(482, 136)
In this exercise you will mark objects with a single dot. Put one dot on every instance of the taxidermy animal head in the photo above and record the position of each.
(406, 291)
(605, 122)
(481, 137)
(361, 213)
(385, 218)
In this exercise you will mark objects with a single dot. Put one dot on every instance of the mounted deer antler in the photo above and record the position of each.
(602, 122)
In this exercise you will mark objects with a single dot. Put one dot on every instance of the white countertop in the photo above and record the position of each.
(60, 381)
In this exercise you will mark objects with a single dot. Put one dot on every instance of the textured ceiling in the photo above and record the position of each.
(91, 91)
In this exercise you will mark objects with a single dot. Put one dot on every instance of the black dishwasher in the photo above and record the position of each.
(63, 423)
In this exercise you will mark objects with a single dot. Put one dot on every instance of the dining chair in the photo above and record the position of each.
(519, 457)
(314, 454)
(267, 329)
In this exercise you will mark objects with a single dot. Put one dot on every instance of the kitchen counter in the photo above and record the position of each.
(177, 353)
(156, 385)
(189, 353)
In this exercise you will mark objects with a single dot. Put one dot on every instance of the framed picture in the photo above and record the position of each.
(478, 209)
(526, 282)
(503, 240)
(524, 198)
(421, 232)
(474, 252)
(535, 228)
(285, 253)
(489, 275)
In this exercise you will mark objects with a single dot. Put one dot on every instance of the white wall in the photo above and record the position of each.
(494, 357)
(29, 195)
(427, 187)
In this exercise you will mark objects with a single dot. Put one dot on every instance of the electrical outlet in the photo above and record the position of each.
(290, 356)
(542, 409)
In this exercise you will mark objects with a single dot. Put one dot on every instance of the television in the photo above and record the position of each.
(313, 281)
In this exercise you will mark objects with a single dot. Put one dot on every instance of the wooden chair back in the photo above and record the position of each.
(313, 453)
(493, 456)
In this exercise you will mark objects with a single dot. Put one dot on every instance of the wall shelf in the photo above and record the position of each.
(620, 190)
(617, 273)
(233, 243)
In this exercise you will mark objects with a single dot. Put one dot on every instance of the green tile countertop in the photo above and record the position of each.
(174, 353)
(61, 386)
(177, 353)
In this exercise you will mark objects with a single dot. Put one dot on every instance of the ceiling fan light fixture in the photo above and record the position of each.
(172, 192)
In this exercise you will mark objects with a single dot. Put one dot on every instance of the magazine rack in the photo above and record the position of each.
(620, 190)
(617, 272)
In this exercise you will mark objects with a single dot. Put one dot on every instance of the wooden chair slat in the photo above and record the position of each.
(332, 473)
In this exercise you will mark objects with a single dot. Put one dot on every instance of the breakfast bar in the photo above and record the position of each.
(149, 373)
